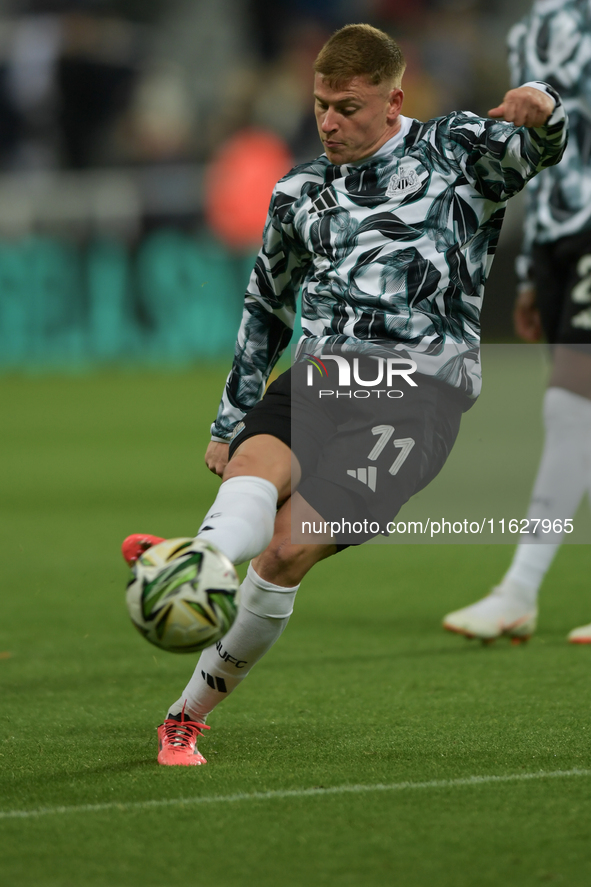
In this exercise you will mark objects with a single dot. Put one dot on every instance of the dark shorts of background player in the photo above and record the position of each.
(563, 289)
(332, 441)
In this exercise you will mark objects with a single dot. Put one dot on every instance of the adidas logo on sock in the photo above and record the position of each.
(367, 476)
(216, 683)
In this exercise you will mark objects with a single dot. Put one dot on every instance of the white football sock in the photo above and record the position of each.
(263, 613)
(563, 477)
(240, 522)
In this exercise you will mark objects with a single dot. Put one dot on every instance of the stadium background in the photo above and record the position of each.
(139, 142)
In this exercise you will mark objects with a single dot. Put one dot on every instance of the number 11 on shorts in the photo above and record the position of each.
(405, 444)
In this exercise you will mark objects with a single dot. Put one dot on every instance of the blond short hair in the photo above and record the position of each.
(360, 51)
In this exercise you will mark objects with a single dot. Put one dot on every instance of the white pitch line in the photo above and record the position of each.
(289, 793)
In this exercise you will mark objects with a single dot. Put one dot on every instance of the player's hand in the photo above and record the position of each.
(526, 317)
(216, 456)
(524, 106)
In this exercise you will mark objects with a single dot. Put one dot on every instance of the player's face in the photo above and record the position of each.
(356, 119)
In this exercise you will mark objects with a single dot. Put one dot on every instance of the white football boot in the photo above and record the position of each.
(500, 613)
(580, 635)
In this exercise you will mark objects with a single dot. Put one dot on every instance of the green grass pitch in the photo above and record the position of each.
(363, 689)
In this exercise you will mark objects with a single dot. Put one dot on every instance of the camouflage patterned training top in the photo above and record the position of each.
(393, 251)
(553, 43)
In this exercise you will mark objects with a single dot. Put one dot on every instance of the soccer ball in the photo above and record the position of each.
(182, 595)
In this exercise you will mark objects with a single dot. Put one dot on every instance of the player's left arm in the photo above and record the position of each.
(525, 134)
(525, 106)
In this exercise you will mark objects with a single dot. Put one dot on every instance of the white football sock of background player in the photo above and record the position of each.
(564, 476)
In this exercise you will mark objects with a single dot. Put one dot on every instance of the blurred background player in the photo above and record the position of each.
(458, 173)
(552, 43)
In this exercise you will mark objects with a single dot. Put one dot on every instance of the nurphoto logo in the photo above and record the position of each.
(387, 371)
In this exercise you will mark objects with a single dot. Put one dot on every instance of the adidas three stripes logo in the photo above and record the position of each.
(216, 683)
(325, 200)
(367, 476)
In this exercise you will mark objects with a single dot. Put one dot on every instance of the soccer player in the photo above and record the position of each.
(553, 42)
(389, 236)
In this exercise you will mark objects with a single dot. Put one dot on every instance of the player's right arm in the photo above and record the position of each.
(216, 456)
(267, 320)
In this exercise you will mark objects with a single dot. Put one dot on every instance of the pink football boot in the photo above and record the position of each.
(136, 544)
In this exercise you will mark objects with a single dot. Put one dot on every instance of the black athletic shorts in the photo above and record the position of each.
(361, 460)
(562, 278)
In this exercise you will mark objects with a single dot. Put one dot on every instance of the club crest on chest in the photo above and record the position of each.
(404, 181)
